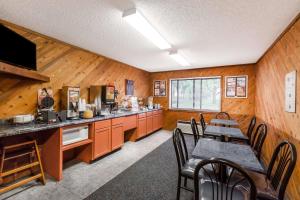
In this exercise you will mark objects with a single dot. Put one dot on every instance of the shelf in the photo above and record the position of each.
(76, 144)
(26, 73)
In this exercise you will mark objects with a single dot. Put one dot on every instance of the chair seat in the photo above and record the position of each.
(264, 188)
(189, 167)
(206, 191)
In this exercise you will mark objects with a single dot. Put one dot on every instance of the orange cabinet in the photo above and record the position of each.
(156, 122)
(142, 127)
(149, 122)
(102, 138)
(130, 122)
(117, 133)
(160, 119)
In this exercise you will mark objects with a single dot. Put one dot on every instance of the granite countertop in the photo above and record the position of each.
(240, 154)
(11, 130)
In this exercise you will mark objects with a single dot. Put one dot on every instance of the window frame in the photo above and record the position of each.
(192, 109)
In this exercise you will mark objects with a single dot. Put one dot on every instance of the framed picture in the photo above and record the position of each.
(236, 86)
(129, 87)
(160, 88)
(290, 91)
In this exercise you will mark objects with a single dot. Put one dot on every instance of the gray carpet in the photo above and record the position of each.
(154, 177)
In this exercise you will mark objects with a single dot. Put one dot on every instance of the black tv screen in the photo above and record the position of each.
(16, 50)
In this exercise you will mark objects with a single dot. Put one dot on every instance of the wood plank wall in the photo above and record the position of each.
(241, 109)
(66, 65)
(282, 58)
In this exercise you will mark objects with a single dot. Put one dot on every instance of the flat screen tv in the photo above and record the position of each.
(16, 50)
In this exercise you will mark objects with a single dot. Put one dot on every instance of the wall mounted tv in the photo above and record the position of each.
(16, 50)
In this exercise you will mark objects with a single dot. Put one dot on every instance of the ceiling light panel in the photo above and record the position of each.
(139, 22)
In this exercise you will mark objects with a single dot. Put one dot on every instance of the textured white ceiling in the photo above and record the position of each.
(207, 32)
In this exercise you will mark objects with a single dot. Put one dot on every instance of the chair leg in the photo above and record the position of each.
(185, 182)
(178, 187)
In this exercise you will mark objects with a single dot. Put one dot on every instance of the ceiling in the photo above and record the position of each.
(207, 33)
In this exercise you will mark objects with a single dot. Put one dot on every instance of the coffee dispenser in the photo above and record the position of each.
(70, 101)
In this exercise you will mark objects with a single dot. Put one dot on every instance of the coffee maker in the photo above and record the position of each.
(70, 101)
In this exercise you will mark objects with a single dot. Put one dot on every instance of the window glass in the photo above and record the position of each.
(196, 93)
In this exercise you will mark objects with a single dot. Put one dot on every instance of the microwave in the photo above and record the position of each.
(108, 94)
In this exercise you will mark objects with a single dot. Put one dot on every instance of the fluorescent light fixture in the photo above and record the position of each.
(179, 59)
(138, 21)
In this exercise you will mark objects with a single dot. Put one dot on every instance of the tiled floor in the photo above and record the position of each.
(81, 179)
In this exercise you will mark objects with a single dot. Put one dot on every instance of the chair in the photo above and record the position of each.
(202, 122)
(258, 138)
(215, 187)
(186, 166)
(251, 127)
(223, 115)
(195, 130)
(272, 186)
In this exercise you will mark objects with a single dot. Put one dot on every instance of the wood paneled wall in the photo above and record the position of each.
(282, 58)
(241, 109)
(66, 65)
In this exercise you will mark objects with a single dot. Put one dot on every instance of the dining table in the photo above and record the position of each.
(220, 131)
(240, 154)
(224, 122)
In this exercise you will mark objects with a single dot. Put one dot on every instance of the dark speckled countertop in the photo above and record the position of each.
(11, 130)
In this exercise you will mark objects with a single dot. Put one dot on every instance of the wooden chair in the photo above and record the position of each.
(272, 186)
(214, 186)
(27, 149)
(223, 115)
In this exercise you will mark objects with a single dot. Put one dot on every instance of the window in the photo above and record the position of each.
(196, 93)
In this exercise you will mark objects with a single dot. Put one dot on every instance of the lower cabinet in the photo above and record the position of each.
(142, 127)
(108, 135)
(117, 136)
(160, 119)
(102, 142)
(156, 122)
(149, 124)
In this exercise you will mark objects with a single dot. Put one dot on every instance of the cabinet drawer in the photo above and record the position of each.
(155, 112)
(117, 121)
(142, 115)
(130, 122)
(102, 124)
(149, 113)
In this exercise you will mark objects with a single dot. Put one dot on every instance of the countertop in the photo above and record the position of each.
(11, 130)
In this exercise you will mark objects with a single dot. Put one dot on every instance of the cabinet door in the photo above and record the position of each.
(149, 124)
(160, 120)
(117, 136)
(155, 122)
(142, 127)
(102, 142)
